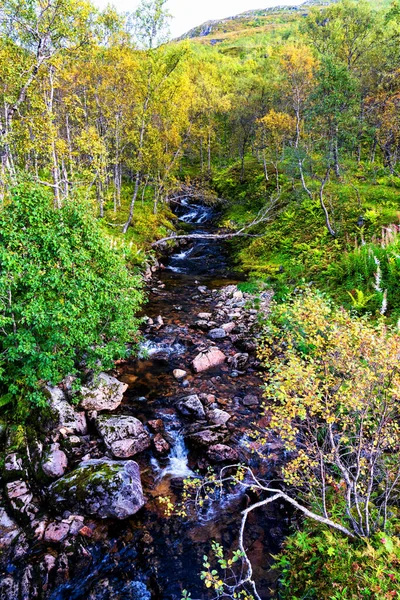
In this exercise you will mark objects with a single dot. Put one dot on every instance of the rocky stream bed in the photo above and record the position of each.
(79, 510)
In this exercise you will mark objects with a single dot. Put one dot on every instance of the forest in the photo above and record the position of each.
(280, 130)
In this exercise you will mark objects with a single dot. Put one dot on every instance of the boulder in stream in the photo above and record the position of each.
(100, 488)
(123, 435)
(206, 438)
(221, 453)
(213, 357)
(218, 416)
(103, 392)
(161, 446)
(191, 407)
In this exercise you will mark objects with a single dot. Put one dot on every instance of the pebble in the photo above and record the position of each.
(179, 374)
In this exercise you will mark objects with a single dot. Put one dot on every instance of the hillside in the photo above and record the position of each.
(258, 21)
(250, 20)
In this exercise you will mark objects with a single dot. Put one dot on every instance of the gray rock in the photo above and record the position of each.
(191, 407)
(9, 530)
(103, 392)
(204, 316)
(100, 488)
(55, 462)
(217, 334)
(63, 414)
(239, 361)
(203, 325)
(56, 532)
(161, 445)
(13, 466)
(20, 498)
(123, 435)
(218, 416)
(229, 327)
(250, 400)
(9, 588)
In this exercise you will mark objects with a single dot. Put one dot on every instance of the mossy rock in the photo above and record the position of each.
(100, 488)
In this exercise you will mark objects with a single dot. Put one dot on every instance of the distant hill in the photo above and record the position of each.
(257, 22)
(251, 19)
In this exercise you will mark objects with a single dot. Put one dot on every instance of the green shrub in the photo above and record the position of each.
(67, 300)
(317, 563)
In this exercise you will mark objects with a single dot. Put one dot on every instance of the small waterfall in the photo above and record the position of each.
(189, 217)
(182, 255)
(177, 459)
(150, 348)
(197, 213)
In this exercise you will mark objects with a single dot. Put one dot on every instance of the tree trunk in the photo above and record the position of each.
(139, 160)
(321, 199)
(209, 152)
(133, 202)
(336, 152)
(265, 166)
(56, 176)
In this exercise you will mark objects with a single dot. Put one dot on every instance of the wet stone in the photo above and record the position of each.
(222, 453)
(218, 416)
(179, 374)
(206, 438)
(161, 445)
(217, 334)
(191, 407)
(156, 425)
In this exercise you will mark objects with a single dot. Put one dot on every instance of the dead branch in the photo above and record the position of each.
(264, 216)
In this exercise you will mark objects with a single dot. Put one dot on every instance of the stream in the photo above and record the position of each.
(179, 295)
(153, 556)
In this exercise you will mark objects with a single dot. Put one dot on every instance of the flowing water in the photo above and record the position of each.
(151, 556)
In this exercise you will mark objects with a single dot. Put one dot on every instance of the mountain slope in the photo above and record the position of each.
(258, 21)
(251, 19)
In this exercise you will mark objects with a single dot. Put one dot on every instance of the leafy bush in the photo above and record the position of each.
(332, 396)
(66, 297)
(317, 564)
